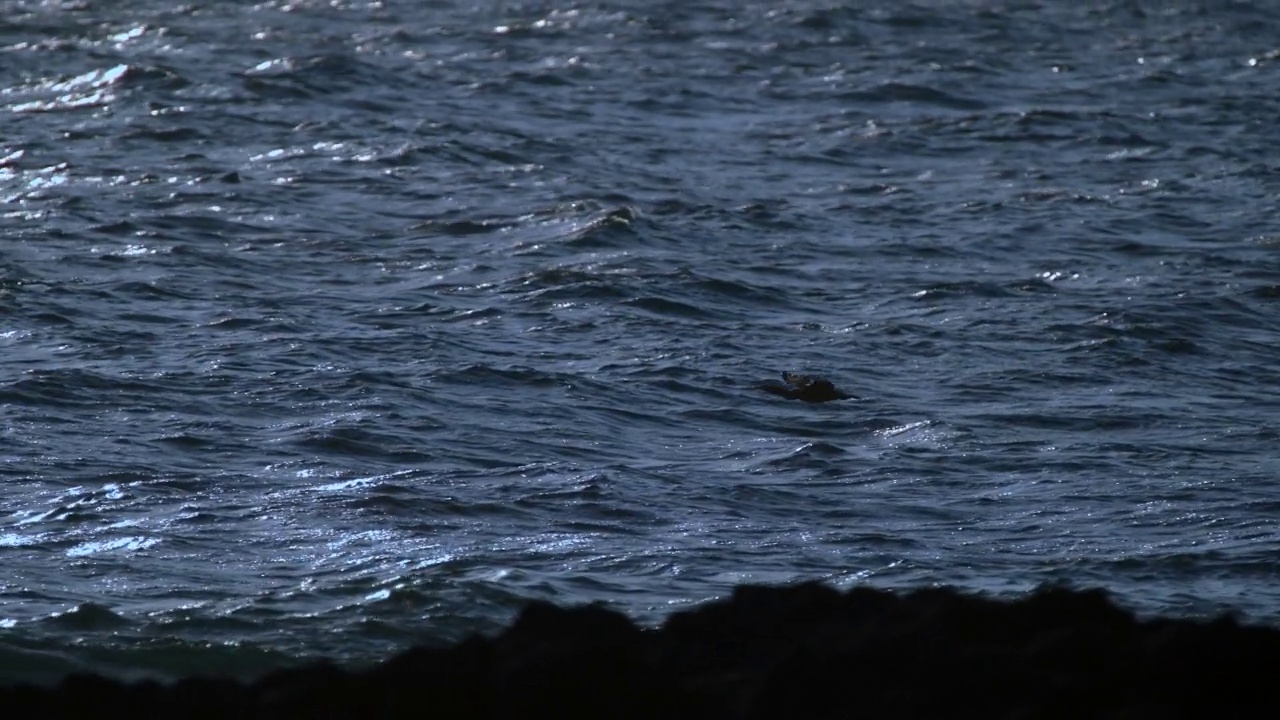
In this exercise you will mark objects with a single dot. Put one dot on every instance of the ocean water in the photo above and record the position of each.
(327, 328)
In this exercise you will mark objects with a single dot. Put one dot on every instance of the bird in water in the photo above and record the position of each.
(809, 388)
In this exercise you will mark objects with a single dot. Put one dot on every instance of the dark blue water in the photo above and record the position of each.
(331, 327)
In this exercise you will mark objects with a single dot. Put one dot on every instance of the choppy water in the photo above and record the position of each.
(330, 327)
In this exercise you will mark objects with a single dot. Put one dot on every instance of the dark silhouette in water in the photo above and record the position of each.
(809, 388)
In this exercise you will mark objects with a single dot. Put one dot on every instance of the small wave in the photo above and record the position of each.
(88, 616)
(907, 92)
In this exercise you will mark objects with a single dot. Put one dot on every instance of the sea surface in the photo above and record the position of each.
(328, 328)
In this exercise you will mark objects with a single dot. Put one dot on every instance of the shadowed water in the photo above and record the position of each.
(330, 327)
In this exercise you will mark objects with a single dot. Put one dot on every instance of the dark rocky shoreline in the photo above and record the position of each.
(804, 651)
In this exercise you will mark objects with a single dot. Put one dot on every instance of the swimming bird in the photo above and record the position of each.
(809, 388)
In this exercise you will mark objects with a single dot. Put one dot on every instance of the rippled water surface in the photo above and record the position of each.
(331, 327)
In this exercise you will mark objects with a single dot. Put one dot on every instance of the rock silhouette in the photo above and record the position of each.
(801, 651)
